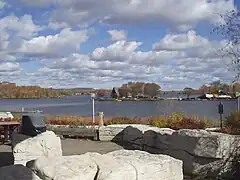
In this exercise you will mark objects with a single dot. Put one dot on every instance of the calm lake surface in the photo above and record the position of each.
(82, 106)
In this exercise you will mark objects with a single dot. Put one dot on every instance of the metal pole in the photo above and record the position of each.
(238, 106)
(93, 109)
(221, 124)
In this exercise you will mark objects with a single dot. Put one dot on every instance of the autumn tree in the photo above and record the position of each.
(188, 91)
(136, 87)
(151, 89)
(124, 92)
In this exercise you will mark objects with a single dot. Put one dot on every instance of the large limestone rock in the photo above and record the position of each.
(118, 165)
(128, 133)
(64, 168)
(150, 166)
(26, 148)
(17, 172)
(204, 153)
(112, 132)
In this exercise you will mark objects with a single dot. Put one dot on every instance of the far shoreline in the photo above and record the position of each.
(125, 99)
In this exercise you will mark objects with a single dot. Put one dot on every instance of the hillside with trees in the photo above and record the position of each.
(12, 91)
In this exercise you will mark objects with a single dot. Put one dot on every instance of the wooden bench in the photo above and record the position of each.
(7, 128)
(78, 132)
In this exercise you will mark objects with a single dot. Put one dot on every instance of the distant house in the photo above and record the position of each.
(214, 96)
(206, 96)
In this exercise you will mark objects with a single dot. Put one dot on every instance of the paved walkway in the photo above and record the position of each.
(69, 146)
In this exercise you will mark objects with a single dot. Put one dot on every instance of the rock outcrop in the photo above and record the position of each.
(17, 172)
(151, 166)
(203, 153)
(117, 165)
(26, 148)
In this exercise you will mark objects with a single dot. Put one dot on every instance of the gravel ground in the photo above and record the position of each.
(69, 146)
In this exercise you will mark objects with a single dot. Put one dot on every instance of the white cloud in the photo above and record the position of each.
(181, 41)
(191, 44)
(54, 37)
(9, 67)
(118, 35)
(122, 61)
(23, 26)
(67, 41)
(13, 30)
(2, 4)
(182, 14)
(117, 51)
(41, 4)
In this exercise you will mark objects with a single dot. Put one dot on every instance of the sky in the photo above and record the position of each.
(101, 44)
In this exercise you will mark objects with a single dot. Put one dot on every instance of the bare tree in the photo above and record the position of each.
(229, 29)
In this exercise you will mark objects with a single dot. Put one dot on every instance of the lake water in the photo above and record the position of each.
(82, 106)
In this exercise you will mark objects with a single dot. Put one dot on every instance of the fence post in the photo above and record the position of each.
(101, 119)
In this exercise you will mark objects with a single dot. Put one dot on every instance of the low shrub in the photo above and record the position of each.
(68, 120)
(179, 121)
(123, 120)
(232, 123)
(173, 121)
(17, 118)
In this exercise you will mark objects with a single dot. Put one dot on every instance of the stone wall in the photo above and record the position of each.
(204, 153)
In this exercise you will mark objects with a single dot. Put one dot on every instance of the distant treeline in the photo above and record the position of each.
(12, 91)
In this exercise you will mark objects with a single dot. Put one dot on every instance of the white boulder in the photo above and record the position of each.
(64, 167)
(118, 165)
(17, 172)
(151, 166)
(29, 148)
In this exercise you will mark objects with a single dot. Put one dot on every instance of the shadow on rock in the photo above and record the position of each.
(6, 158)
(130, 138)
(17, 172)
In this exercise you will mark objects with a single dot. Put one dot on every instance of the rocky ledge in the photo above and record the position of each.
(45, 162)
(118, 165)
(204, 153)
